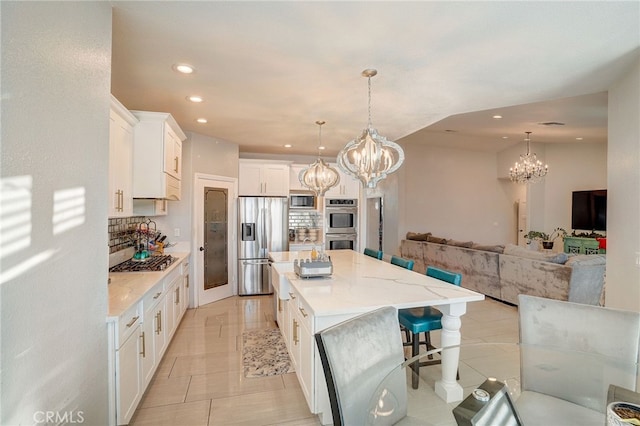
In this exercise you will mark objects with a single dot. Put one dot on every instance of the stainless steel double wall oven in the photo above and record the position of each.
(341, 223)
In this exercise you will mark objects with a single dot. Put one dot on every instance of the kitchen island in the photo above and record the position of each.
(358, 284)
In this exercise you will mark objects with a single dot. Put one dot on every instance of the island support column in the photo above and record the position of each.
(448, 388)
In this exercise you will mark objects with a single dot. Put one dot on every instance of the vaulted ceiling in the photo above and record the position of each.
(268, 70)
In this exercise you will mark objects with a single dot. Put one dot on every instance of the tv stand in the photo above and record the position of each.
(581, 245)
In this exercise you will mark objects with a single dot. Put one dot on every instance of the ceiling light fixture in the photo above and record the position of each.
(497, 117)
(288, 145)
(370, 157)
(319, 176)
(529, 169)
(202, 120)
(195, 98)
(183, 68)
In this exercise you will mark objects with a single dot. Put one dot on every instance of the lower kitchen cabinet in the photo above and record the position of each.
(128, 364)
(302, 344)
(140, 337)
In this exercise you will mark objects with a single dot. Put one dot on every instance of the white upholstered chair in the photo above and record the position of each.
(356, 356)
(570, 354)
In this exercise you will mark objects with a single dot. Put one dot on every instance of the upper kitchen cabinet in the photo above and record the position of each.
(348, 187)
(157, 156)
(121, 125)
(294, 181)
(257, 177)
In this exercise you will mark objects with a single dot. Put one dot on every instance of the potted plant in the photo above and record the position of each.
(536, 237)
(546, 239)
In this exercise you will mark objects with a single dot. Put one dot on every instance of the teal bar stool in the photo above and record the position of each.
(404, 263)
(373, 253)
(424, 320)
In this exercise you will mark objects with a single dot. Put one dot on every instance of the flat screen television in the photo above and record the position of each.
(589, 210)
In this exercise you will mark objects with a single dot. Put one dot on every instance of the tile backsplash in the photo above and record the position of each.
(122, 232)
(305, 219)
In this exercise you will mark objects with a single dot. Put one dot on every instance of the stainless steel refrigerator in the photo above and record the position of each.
(264, 227)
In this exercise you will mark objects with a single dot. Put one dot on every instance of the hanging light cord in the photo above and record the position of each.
(528, 142)
(369, 125)
(319, 123)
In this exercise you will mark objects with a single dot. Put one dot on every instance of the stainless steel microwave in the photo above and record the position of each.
(299, 200)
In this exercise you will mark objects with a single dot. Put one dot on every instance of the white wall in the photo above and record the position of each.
(623, 197)
(200, 154)
(572, 167)
(56, 62)
(455, 193)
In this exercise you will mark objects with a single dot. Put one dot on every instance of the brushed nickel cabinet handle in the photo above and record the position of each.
(133, 321)
(293, 296)
(295, 332)
(157, 295)
(187, 285)
(159, 321)
(177, 298)
(176, 168)
(304, 314)
(279, 305)
(143, 353)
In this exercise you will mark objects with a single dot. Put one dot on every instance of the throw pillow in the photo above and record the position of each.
(438, 240)
(466, 244)
(499, 248)
(417, 236)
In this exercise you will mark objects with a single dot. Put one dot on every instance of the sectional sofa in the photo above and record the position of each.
(503, 272)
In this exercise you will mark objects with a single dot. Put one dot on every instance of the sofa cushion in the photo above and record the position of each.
(514, 250)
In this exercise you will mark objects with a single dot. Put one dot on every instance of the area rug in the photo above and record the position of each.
(264, 353)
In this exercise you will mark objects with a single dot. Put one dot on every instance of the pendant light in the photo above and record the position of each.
(370, 157)
(319, 176)
(529, 169)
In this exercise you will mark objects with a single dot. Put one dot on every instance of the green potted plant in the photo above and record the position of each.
(546, 239)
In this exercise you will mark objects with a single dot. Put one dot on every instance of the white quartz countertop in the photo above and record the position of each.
(361, 283)
(289, 256)
(128, 288)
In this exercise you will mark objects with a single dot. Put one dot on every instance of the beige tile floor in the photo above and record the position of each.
(200, 379)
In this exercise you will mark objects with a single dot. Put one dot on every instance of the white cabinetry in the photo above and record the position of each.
(149, 207)
(128, 364)
(294, 180)
(157, 156)
(185, 285)
(121, 123)
(153, 341)
(301, 344)
(348, 187)
(259, 178)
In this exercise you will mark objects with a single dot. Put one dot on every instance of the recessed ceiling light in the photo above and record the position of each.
(505, 137)
(195, 98)
(202, 120)
(321, 148)
(578, 139)
(183, 68)
(497, 117)
(288, 145)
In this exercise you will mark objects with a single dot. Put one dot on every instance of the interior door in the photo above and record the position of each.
(215, 270)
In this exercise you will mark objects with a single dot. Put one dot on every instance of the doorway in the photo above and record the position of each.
(375, 223)
(215, 240)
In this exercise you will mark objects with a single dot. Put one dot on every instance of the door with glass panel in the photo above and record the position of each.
(216, 275)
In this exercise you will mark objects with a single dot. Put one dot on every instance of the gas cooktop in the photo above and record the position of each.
(152, 263)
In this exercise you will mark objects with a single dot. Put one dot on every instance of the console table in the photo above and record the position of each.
(581, 245)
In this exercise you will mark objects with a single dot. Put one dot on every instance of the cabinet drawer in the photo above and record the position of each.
(128, 323)
(152, 298)
(303, 312)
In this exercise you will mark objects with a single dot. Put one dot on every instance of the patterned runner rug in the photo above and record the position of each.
(264, 353)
